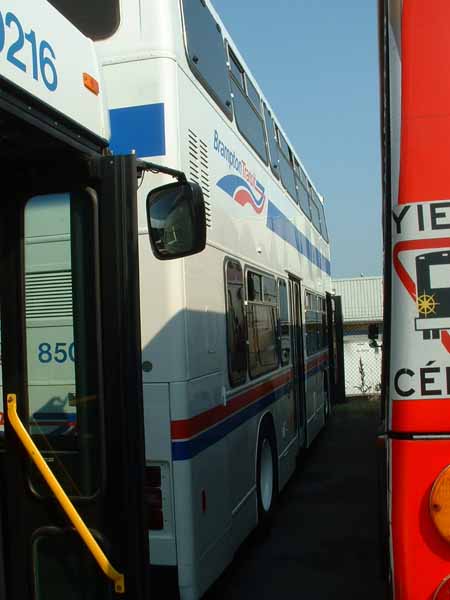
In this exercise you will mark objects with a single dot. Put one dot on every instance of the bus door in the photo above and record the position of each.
(331, 348)
(298, 359)
(71, 378)
(335, 349)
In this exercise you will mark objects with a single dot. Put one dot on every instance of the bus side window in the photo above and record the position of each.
(315, 212)
(247, 107)
(206, 52)
(284, 323)
(262, 328)
(236, 69)
(249, 121)
(236, 333)
(253, 94)
(272, 142)
(323, 221)
(254, 290)
(313, 324)
(302, 193)
(286, 167)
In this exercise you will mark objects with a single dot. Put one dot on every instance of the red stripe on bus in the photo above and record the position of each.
(425, 128)
(421, 416)
(186, 428)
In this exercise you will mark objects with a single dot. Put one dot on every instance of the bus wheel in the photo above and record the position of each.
(266, 472)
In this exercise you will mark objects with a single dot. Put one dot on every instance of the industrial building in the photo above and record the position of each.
(362, 306)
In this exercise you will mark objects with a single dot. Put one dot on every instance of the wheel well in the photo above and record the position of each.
(266, 420)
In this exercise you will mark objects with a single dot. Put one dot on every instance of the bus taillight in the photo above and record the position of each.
(153, 498)
(440, 504)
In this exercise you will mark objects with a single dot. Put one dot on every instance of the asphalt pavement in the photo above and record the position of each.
(323, 543)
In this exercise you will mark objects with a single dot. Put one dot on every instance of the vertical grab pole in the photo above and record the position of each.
(62, 498)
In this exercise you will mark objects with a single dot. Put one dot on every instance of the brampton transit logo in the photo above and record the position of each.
(243, 187)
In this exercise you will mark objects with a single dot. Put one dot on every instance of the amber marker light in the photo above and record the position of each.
(443, 591)
(91, 84)
(440, 504)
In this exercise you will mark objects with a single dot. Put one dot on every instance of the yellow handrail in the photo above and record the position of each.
(61, 496)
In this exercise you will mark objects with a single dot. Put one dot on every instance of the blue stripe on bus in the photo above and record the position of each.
(184, 450)
(138, 128)
(282, 226)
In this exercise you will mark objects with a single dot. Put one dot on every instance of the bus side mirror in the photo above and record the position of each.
(176, 220)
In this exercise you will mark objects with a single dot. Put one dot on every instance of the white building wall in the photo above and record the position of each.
(362, 298)
(362, 303)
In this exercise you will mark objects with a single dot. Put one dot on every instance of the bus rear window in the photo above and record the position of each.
(97, 19)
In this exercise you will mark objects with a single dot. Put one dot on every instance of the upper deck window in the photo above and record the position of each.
(206, 52)
(284, 145)
(323, 222)
(315, 213)
(237, 70)
(248, 121)
(303, 198)
(252, 93)
(287, 176)
(272, 140)
(97, 19)
(302, 192)
(247, 107)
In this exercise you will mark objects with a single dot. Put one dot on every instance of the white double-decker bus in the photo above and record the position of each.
(235, 347)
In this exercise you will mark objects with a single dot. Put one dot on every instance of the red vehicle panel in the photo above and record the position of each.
(425, 134)
(421, 556)
(415, 85)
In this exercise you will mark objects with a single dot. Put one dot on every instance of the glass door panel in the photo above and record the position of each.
(62, 358)
(63, 381)
(58, 560)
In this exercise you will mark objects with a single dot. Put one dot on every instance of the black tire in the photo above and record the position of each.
(266, 485)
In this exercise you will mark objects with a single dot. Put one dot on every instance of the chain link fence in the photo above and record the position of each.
(362, 361)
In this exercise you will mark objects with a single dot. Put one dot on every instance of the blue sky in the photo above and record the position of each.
(317, 63)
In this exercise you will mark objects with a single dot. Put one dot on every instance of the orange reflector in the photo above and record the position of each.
(440, 503)
(443, 591)
(91, 84)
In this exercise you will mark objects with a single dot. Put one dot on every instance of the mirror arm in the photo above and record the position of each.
(143, 165)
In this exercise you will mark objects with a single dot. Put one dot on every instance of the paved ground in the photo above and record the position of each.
(323, 544)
